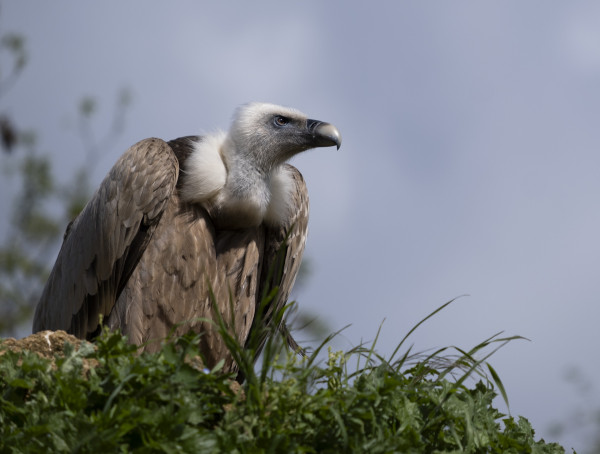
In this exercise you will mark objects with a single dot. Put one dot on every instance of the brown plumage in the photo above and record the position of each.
(174, 220)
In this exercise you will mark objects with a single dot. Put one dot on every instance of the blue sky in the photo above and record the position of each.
(470, 162)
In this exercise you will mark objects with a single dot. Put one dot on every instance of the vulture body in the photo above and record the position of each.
(174, 221)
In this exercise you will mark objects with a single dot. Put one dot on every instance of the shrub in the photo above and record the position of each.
(108, 398)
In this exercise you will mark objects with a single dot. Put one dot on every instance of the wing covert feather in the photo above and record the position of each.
(104, 243)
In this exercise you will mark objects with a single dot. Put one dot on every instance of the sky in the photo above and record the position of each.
(470, 162)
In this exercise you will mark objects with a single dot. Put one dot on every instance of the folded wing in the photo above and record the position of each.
(103, 245)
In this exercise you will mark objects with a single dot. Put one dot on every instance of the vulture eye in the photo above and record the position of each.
(281, 121)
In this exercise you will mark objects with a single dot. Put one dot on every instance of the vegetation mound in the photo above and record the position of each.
(105, 397)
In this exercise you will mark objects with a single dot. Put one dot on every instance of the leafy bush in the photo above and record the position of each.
(108, 398)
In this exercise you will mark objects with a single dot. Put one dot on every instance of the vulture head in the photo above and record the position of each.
(238, 176)
(270, 135)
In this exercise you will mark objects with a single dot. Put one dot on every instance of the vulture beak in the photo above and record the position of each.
(324, 134)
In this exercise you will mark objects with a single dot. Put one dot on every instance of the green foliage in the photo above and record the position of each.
(126, 403)
(111, 399)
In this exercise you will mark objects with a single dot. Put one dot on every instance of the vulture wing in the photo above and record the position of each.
(103, 245)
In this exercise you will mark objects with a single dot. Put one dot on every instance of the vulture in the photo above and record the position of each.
(178, 230)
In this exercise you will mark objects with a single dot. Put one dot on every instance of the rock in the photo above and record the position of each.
(47, 344)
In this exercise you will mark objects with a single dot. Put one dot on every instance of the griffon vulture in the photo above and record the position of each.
(173, 221)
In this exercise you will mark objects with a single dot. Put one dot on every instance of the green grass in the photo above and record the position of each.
(110, 399)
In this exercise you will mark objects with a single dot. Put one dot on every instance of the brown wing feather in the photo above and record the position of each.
(105, 242)
(168, 291)
(239, 258)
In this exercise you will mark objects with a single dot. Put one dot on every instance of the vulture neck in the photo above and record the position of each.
(234, 189)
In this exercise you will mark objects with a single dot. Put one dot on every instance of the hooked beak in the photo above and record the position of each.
(324, 134)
